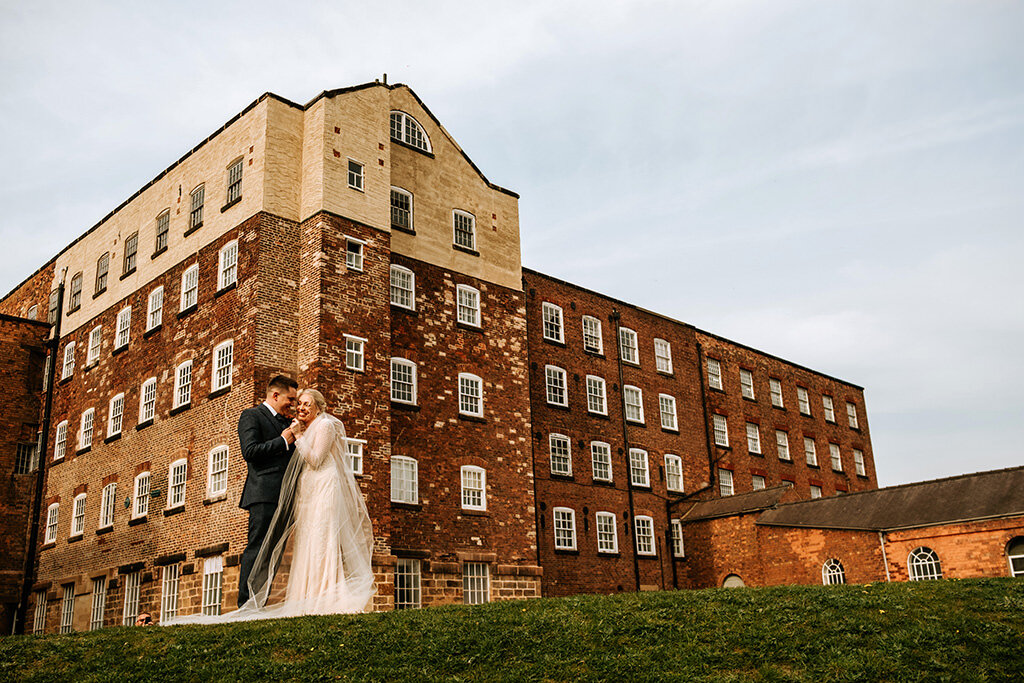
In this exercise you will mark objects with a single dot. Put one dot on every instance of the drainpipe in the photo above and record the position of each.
(704, 405)
(53, 345)
(615, 318)
(885, 560)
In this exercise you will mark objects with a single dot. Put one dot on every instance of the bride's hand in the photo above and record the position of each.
(297, 427)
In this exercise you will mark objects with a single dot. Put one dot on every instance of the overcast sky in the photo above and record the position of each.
(837, 183)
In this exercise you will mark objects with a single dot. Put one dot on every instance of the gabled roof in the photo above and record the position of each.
(968, 497)
(740, 504)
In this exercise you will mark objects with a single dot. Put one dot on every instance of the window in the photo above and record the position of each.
(837, 460)
(155, 314)
(52, 514)
(406, 129)
(634, 403)
(102, 268)
(60, 440)
(39, 619)
(601, 460)
(140, 501)
(408, 593)
(234, 182)
(757, 482)
(190, 287)
(464, 226)
(565, 529)
(69, 360)
(607, 535)
(147, 400)
(474, 488)
(92, 355)
(25, 458)
(354, 449)
(404, 480)
(75, 293)
(725, 482)
(628, 346)
(217, 472)
(131, 598)
(115, 415)
(644, 527)
(401, 209)
(559, 447)
(67, 609)
(673, 473)
(51, 306)
(596, 395)
(354, 254)
(223, 356)
(782, 443)
(923, 563)
(403, 287)
(471, 395)
(403, 381)
(107, 505)
(355, 358)
(183, 384)
(476, 584)
(227, 265)
(131, 251)
(169, 592)
(592, 340)
(176, 484)
(815, 491)
(668, 411)
(851, 415)
(552, 316)
(753, 438)
(163, 227)
(195, 216)
(78, 516)
(746, 384)
(663, 356)
(554, 382)
(803, 401)
(213, 571)
(858, 462)
(776, 391)
(830, 411)
(355, 175)
(85, 429)
(1015, 556)
(810, 453)
(124, 327)
(99, 602)
(468, 305)
(677, 539)
(720, 426)
(832, 573)
(639, 470)
(33, 312)
(714, 374)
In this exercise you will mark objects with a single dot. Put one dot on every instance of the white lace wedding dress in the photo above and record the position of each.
(316, 558)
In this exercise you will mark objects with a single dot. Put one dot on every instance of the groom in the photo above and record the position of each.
(267, 443)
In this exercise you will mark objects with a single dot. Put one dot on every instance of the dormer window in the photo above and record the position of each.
(407, 130)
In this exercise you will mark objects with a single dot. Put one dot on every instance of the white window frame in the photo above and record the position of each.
(408, 583)
(404, 480)
(600, 458)
(177, 481)
(355, 253)
(67, 609)
(634, 408)
(469, 219)
(643, 531)
(720, 428)
(474, 487)
(593, 334)
(130, 610)
(725, 483)
(407, 130)
(354, 449)
(629, 346)
(803, 400)
(476, 583)
(663, 356)
(99, 603)
(678, 547)
(810, 451)
(667, 406)
(169, 582)
(552, 322)
(560, 454)
(747, 384)
(92, 354)
(60, 440)
(714, 373)
(147, 409)
(217, 471)
(190, 287)
(556, 386)
(223, 365)
(858, 462)
(782, 444)
(470, 403)
(107, 501)
(828, 406)
(155, 309)
(140, 495)
(401, 211)
(355, 353)
(52, 519)
(597, 395)
(39, 617)
(467, 304)
(564, 528)
(87, 429)
(78, 516)
(606, 527)
(410, 381)
(758, 482)
(753, 438)
(213, 574)
(832, 573)
(401, 290)
(197, 199)
(836, 455)
(851, 415)
(816, 491)
(183, 384)
(227, 265)
(775, 389)
(923, 564)
(234, 181)
(124, 328)
(115, 415)
(356, 174)
(674, 473)
(68, 368)
(639, 468)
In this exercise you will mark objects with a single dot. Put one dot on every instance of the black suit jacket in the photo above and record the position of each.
(266, 454)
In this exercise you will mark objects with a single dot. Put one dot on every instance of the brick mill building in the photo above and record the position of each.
(514, 435)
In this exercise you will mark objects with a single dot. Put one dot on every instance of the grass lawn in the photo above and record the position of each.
(932, 630)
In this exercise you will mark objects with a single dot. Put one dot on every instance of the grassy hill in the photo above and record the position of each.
(935, 630)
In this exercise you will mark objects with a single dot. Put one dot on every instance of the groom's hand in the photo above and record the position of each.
(289, 436)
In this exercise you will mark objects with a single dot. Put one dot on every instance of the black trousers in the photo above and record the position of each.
(260, 515)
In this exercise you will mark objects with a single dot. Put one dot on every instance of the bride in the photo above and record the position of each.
(318, 550)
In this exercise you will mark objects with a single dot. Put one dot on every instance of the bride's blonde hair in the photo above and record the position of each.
(318, 399)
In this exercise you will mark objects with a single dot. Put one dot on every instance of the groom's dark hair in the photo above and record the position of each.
(282, 383)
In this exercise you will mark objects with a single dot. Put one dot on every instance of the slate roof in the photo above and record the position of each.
(968, 497)
(735, 505)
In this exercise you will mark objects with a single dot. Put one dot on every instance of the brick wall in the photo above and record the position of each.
(965, 551)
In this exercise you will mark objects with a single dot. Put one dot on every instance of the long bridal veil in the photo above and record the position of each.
(316, 558)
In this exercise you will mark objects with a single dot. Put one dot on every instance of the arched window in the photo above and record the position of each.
(733, 581)
(924, 564)
(1015, 556)
(832, 573)
(407, 130)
